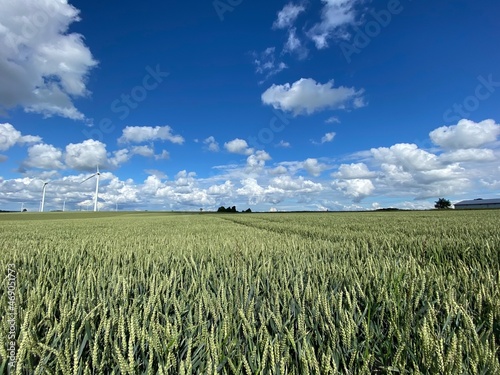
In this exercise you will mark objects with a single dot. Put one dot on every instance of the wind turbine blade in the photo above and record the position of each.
(88, 178)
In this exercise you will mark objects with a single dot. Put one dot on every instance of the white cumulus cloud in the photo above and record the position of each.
(306, 96)
(42, 66)
(354, 171)
(86, 155)
(466, 134)
(211, 144)
(470, 154)
(140, 134)
(9, 136)
(238, 146)
(409, 156)
(356, 188)
(313, 167)
(44, 156)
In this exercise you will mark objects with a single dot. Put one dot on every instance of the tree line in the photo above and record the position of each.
(232, 209)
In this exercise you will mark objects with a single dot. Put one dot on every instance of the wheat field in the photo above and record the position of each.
(280, 293)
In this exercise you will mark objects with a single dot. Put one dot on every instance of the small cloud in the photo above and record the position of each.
(328, 137)
(359, 103)
(257, 160)
(283, 144)
(145, 151)
(313, 167)
(156, 173)
(211, 144)
(266, 64)
(306, 96)
(238, 146)
(163, 156)
(336, 16)
(333, 120)
(287, 16)
(294, 45)
(140, 134)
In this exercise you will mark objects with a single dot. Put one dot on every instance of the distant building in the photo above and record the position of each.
(478, 204)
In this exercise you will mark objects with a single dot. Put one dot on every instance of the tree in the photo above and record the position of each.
(442, 203)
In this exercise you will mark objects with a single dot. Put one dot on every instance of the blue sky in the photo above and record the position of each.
(302, 105)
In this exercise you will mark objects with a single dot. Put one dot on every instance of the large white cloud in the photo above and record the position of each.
(42, 66)
(306, 96)
(224, 189)
(466, 134)
(300, 184)
(86, 155)
(356, 188)
(255, 193)
(354, 171)
(140, 134)
(44, 156)
(9, 136)
(409, 156)
(468, 155)
(406, 169)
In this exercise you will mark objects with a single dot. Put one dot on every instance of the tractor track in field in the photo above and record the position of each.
(303, 234)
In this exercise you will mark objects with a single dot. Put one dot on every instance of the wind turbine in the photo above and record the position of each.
(43, 195)
(97, 174)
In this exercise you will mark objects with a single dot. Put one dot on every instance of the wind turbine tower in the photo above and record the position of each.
(43, 195)
(96, 196)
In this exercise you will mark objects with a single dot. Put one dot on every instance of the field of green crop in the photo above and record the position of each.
(312, 293)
